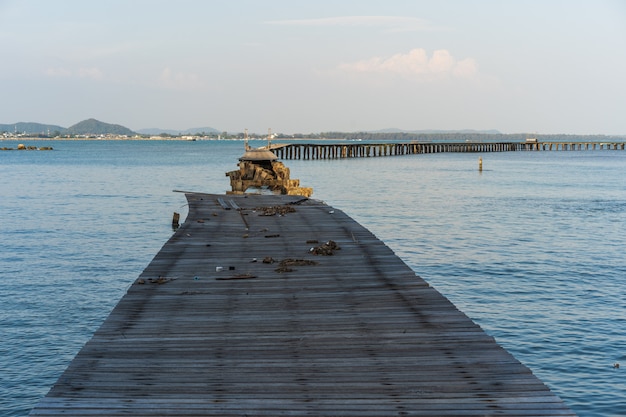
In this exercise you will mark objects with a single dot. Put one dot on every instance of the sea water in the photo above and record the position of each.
(531, 248)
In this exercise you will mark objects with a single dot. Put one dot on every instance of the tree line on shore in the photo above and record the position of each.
(465, 137)
(92, 128)
(351, 136)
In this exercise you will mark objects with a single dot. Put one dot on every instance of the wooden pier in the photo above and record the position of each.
(282, 305)
(360, 150)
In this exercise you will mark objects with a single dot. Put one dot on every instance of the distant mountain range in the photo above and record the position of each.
(31, 128)
(96, 127)
(86, 127)
(92, 127)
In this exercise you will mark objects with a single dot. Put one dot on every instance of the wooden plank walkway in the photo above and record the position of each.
(211, 329)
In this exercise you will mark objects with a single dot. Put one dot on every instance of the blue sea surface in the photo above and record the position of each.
(531, 248)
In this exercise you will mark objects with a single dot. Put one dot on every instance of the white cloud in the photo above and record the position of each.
(466, 68)
(392, 23)
(179, 80)
(416, 64)
(92, 73)
(59, 72)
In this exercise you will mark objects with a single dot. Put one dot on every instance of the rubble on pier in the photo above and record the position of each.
(260, 172)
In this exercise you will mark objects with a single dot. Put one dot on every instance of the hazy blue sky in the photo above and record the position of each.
(310, 66)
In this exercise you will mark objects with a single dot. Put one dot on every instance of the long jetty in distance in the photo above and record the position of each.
(365, 149)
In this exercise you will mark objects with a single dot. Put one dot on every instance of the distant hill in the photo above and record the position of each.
(31, 128)
(96, 127)
(86, 127)
(192, 131)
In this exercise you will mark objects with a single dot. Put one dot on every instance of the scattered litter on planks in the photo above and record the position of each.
(274, 210)
(160, 280)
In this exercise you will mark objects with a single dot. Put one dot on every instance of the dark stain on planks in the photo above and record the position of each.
(353, 334)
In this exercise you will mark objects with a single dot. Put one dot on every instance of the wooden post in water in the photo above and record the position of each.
(480, 164)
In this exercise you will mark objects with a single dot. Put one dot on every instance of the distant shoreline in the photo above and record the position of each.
(349, 137)
(34, 138)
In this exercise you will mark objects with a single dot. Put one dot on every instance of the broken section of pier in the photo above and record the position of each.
(264, 305)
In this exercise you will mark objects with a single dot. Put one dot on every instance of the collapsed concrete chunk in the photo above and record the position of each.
(261, 172)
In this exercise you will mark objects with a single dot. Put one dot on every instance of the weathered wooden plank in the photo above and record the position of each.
(357, 333)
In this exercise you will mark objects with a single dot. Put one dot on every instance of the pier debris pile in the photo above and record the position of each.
(275, 210)
(326, 249)
(260, 171)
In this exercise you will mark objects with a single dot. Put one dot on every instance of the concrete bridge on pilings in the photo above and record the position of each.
(364, 150)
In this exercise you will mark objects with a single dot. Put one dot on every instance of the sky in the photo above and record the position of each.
(295, 66)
